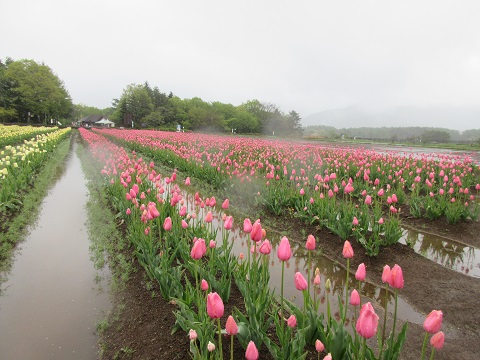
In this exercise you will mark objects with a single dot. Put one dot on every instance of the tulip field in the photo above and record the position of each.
(353, 192)
(182, 240)
(23, 152)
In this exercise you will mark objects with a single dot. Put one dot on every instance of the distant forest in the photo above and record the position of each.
(395, 134)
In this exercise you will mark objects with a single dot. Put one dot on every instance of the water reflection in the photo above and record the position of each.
(450, 254)
(51, 300)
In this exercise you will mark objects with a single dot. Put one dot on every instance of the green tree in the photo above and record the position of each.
(136, 101)
(35, 92)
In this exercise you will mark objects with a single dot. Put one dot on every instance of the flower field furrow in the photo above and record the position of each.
(174, 239)
(351, 191)
(19, 164)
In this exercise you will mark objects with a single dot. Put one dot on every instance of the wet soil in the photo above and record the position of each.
(143, 331)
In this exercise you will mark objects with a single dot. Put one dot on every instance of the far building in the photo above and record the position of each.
(95, 121)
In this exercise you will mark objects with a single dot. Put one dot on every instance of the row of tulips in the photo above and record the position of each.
(174, 238)
(19, 164)
(14, 134)
(353, 192)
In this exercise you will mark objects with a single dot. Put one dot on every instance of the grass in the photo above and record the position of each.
(16, 228)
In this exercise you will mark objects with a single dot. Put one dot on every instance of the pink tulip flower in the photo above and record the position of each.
(204, 285)
(319, 346)
(355, 221)
(187, 181)
(192, 334)
(265, 247)
(199, 249)
(300, 282)
(226, 204)
(361, 272)
(247, 225)
(167, 224)
(292, 321)
(284, 252)
(215, 307)
(367, 322)
(354, 298)
(231, 326)
(328, 357)
(386, 274)
(368, 200)
(208, 217)
(347, 250)
(437, 340)
(396, 277)
(228, 224)
(251, 353)
(433, 321)
(256, 233)
(310, 245)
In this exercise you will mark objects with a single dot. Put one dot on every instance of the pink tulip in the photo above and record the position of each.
(347, 250)
(199, 249)
(300, 282)
(251, 353)
(328, 357)
(167, 224)
(128, 212)
(184, 224)
(247, 225)
(212, 244)
(265, 247)
(386, 274)
(231, 326)
(316, 280)
(355, 221)
(394, 198)
(192, 334)
(284, 252)
(208, 217)
(310, 245)
(210, 346)
(228, 224)
(380, 221)
(204, 285)
(256, 233)
(437, 340)
(396, 277)
(226, 204)
(214, 306)
(355, 298)
(187, 181)
(368, 200)
(319, 345)
(433, 321)
(367, 322)
(361, 272)
(292, 321)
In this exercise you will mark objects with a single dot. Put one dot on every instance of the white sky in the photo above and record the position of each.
(306, 56)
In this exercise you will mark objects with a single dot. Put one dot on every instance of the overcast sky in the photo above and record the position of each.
(306, 56)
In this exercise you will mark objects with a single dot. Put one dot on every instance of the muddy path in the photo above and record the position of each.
(53, 297)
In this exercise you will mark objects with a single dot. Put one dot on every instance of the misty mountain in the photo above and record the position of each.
(455, 118)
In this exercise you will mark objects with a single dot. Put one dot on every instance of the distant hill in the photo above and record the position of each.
(455, 118)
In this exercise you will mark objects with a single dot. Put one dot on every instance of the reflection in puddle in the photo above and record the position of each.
(51, 301)
(450, 254)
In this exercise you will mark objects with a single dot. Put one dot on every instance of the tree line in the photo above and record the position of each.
(32, 93)
(402, 134)
(144, 106)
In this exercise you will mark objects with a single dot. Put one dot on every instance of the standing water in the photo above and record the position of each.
(51, 301)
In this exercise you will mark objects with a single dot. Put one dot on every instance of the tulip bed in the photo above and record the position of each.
(174, 239)
(13, 134)
(19, 163)
(353, 192)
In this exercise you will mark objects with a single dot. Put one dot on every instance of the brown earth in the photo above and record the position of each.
(143, 330)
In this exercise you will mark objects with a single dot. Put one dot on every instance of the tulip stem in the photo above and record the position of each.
(220, 338)
(432, 354)
(281, 296)
(424, 347)
(308, 271)
(231, 347)
(384, 321)
(346, 290)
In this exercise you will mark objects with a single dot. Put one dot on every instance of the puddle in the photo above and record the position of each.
(450, 254)
(51, 300)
